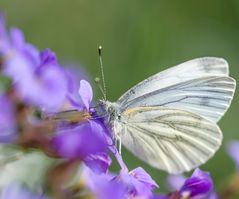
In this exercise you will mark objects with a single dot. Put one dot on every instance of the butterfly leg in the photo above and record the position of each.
(119, 140)
(118, 144)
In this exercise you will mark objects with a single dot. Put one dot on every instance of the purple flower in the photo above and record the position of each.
(138, 182)
(18, 57)
(99, 163)
(199, 184)
(87, 141)
(7, 120)
(135, 184)
(15, 191)
(79, 141)
(104, 186)
(86, 94)
(45, 85)
(37, 77)
(83, 97)
(233, 151)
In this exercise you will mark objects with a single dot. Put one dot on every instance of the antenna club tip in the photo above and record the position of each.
(99, 50)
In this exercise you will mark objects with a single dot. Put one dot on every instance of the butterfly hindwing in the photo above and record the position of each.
(169, 139)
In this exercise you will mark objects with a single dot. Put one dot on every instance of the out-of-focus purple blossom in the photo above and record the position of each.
(45, 85)
(15, 191)
(99, 163)
(138, 183)
(7, 120)
(199, 184)
(175, 182)
(103, 186)
(36, 76)
(79, 141)
(233, 151)
(19, 58)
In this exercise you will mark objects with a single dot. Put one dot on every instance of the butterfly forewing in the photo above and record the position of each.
(170, 139)
(196, 68)
(208, 96)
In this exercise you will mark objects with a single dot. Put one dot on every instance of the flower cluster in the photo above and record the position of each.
(50, 135)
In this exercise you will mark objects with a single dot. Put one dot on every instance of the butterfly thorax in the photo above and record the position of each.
(112, 114)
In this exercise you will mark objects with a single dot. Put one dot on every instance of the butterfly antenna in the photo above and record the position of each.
(97, 81)
(102, 72)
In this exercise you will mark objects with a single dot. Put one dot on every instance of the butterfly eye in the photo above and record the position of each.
(119, 116)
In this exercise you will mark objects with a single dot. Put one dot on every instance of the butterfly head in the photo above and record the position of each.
(110, 109)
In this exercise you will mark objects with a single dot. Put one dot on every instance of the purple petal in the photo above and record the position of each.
(101, 130)
(18, 67)
(7, 120)
(44, 86)
(79, 141)
(99, 163)
(19, 57)
(175, 182)
(200, 183)
(142, 176)
(138, 182)
(118, 157)
(17, 38)
(48, 57)
(104, 132)
(85, 93)
(36, 76)
(102, 186)
(52, 89)
(233, 151)
(108, 189)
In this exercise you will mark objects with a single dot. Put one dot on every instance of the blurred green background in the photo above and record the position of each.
(139, 38)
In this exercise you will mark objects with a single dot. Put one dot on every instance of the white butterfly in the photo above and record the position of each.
(169, 120)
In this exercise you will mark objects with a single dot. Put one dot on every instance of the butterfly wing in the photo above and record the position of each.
(208, 96)
(169, 139)
(196, 68)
